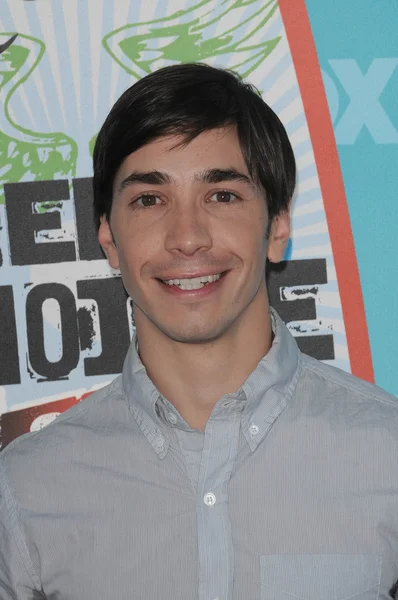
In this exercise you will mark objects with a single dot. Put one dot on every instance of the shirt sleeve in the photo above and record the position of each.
(16, 572)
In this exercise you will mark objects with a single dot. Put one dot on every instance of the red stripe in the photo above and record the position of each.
(302, 47)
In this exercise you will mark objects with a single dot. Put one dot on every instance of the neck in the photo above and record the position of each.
(194, 376)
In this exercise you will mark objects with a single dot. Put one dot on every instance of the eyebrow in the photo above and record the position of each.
(147, 177)
(207, 176)
(220, 175)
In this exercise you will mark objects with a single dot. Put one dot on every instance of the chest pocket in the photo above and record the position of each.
(320, 577)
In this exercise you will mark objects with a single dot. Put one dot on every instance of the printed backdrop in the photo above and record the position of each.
(65, 320)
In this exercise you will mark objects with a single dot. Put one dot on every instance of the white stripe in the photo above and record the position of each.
(38, 81)
(120, 16)
(19, 16)
(331, 271)
(314, 228)
(22, 93)
(313, 252)
(45, 15)
(269, 65)
(70, 9)
(306, 185)
(341, 352)
(305, 160)
(232, 19)
(66, 272)
(29, 123)
(147, 11)
(170, 9)
(36, 78)
(307, 208)
(288, 114)
(336, 324)
(5, 125)
(285, 82)
(331, 299)
(311, 327)
(95, 16)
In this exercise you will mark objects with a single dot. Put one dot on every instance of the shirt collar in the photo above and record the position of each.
(261, 399)
(142, 398)
(271, 385)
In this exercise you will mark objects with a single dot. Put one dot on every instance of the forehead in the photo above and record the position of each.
(217, 148)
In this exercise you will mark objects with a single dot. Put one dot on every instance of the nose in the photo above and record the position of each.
(188, 231)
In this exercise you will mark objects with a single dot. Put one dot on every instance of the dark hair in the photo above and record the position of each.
(187, 100)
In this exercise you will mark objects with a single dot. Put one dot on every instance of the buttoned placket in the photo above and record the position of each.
(216, 560)
(252, 411)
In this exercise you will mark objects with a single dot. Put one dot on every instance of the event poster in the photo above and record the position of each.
(65, 319)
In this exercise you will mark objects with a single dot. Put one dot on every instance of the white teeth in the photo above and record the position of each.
(195, 283)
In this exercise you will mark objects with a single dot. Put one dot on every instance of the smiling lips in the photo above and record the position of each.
(192, 283)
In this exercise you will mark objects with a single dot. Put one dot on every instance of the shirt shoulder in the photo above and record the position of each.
(327, 384)
(37, 472)
(98, 412)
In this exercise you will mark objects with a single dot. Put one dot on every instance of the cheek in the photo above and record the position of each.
(254, 245)
(248, 235)
(129, 257)
(136, 254)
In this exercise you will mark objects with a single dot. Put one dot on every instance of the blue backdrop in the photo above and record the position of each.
(357, 48)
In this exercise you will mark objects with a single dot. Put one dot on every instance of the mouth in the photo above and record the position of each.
(190, 284)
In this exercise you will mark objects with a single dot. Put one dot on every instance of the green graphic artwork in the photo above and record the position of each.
(26, 154)
(177, 38)
(199, 34)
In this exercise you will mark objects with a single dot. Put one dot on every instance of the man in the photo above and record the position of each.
(223, 463)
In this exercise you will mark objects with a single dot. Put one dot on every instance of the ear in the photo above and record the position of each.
(108, 245)
(279, 237)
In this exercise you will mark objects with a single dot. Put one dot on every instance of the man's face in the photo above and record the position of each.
(189, 236)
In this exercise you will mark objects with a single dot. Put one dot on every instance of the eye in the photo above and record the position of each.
(147, 200)
(223, 196)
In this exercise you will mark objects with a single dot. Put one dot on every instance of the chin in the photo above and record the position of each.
(196, 335)
(194, 339)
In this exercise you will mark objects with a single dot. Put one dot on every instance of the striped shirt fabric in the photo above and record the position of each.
(291, 492)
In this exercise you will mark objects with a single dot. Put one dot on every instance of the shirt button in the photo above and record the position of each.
(254, 429)
(172, 418)
(159, 442)
(209, 499)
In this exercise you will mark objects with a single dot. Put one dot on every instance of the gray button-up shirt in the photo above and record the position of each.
(290, 492)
